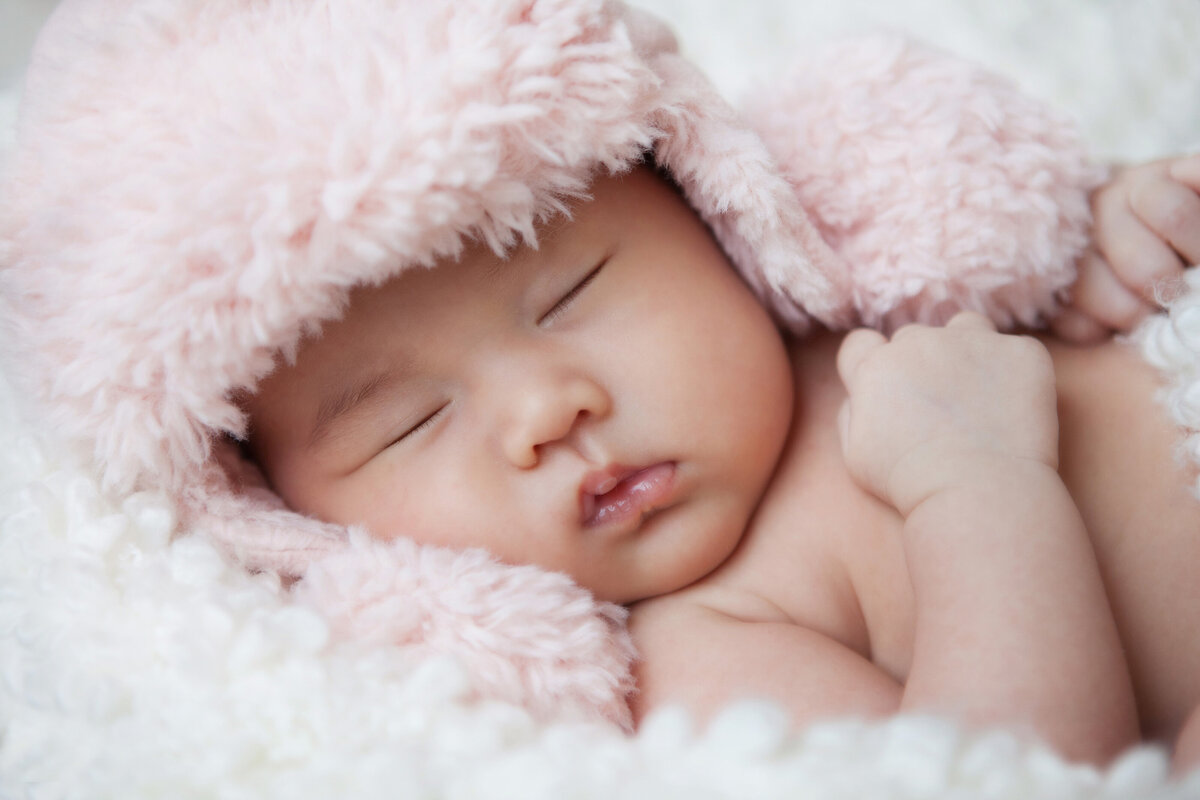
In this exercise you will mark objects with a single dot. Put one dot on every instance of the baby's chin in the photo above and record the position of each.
(662, 570)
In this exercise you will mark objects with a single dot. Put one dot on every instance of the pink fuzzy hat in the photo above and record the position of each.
(198, 184)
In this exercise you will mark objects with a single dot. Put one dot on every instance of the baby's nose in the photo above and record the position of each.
(549, 408)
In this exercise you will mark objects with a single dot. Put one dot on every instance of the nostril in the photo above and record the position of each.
(521, 453)
(549, 411)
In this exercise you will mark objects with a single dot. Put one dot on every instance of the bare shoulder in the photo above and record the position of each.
(702, 657)
(782, 619)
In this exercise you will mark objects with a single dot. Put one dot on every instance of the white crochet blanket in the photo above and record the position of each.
(133, 666)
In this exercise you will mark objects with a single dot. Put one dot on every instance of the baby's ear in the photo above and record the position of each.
(940, 185)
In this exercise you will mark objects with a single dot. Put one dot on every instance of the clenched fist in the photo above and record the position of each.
(933, 407)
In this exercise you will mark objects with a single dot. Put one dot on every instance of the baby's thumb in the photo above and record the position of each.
(858, 460)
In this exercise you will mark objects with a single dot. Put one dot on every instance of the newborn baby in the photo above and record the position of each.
(956, 520)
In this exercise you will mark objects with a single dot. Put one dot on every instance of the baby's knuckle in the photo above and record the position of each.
(906, 331)
(1030, 351)
(1127, 314)
(1153, 271)
(1139, 175)
(1123, 257)
(878, 360)
(970, 315)
(1029, 344)
(1109, 202)
(1140, 270)
(1167, 214)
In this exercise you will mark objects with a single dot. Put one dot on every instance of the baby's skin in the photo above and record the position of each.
(953, 520)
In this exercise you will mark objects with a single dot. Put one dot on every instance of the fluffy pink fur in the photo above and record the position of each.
(522, 634)
(196, 189)
(940, 185)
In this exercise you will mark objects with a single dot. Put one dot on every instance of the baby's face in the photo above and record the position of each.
(610, 405)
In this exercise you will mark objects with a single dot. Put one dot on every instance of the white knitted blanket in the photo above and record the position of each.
(134, 666)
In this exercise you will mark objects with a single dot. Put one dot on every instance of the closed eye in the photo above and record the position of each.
(422, 425)
(567, 299)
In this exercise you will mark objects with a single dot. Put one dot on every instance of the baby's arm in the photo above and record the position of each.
(957, 429)
(1146, 230)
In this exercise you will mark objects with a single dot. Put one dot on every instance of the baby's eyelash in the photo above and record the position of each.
(422, 425)
(565, 302)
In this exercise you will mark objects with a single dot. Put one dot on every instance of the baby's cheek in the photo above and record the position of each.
(390, 500)
(451, 503)
(767, 408)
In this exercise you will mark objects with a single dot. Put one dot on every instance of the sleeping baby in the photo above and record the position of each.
(509, 275)
(941, 521)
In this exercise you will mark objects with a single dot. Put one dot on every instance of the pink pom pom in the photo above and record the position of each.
(941, 186)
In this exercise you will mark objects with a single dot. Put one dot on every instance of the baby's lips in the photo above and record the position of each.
(597, 483)
(617, 491)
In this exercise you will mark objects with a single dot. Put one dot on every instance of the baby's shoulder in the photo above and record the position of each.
(782, 576)
(705, 647)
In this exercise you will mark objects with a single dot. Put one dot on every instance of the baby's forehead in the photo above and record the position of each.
(421, 299)
(383, 321)
(481, 268)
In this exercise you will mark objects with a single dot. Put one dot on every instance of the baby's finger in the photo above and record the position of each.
(971, 319)
(1186, 171)
(1074, 326)
(1171, 210)
(1100, 295)
(857, 345)
(906, 330)
(1135, 252)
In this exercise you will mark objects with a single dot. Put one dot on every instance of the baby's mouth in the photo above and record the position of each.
(620, 494)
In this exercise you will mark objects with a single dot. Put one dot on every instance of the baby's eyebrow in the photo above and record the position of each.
(339, 404)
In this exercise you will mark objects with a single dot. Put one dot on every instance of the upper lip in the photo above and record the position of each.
(602, 481)
(599, 481)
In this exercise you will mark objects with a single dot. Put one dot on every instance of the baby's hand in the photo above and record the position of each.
(938, 406)
(1146, 230)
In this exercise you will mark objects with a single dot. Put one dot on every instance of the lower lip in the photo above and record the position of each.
(635, 496)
